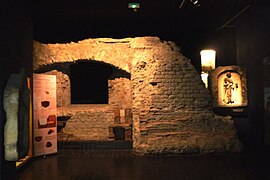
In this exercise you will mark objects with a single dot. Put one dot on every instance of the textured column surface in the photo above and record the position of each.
(16, 105)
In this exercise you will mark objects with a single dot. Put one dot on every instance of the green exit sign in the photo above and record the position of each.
(134, 5)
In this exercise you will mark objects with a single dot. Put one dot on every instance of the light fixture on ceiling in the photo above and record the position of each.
(194, 2)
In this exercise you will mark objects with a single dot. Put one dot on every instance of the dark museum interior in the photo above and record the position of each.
(41, 36)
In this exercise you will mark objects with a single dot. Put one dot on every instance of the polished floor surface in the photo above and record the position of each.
(123, 165)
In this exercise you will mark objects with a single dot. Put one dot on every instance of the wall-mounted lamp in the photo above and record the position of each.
(208, 60)
(194, 2)
(208, 63)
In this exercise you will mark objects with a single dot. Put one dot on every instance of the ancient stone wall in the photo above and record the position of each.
(110, 51)
(120, 93)
(171, 108)
(62, 87)
(87, 122)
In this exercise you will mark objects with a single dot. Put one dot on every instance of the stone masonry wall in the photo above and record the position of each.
(120, 93)
(170, 106)
(87, 122)
(96, 120)
(111, 51)
(62, 88)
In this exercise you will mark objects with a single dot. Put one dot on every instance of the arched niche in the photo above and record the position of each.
(90, 82)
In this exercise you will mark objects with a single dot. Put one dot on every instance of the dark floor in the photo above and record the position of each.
(122, 165)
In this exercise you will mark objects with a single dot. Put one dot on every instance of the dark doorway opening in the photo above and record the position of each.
(89, 82)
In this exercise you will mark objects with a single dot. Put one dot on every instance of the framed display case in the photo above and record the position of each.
(228, 87)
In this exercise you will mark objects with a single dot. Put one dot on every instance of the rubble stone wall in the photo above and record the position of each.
(87, 122)
(110, 51)
(120, 93)
(171, 107)
(62, 87)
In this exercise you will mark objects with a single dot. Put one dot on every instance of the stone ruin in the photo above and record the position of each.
(163, 100)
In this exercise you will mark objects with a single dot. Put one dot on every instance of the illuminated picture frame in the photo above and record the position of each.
(228, 87)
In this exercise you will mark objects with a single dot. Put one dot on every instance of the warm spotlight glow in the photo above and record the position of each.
(204, 77)
(208, 59)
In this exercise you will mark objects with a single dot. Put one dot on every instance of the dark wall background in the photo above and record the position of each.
(245, 41)
(253, 44)
(16, 38)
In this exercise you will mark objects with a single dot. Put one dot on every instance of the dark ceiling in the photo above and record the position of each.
(63, 21)
(72, 20)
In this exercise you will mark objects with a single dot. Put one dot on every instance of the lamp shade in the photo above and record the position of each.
(208, 60)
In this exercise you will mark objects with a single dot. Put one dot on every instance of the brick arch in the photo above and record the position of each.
(116, 71)
(116, 53)
(62, 71)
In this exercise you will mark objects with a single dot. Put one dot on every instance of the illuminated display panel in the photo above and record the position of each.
(229, 89)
